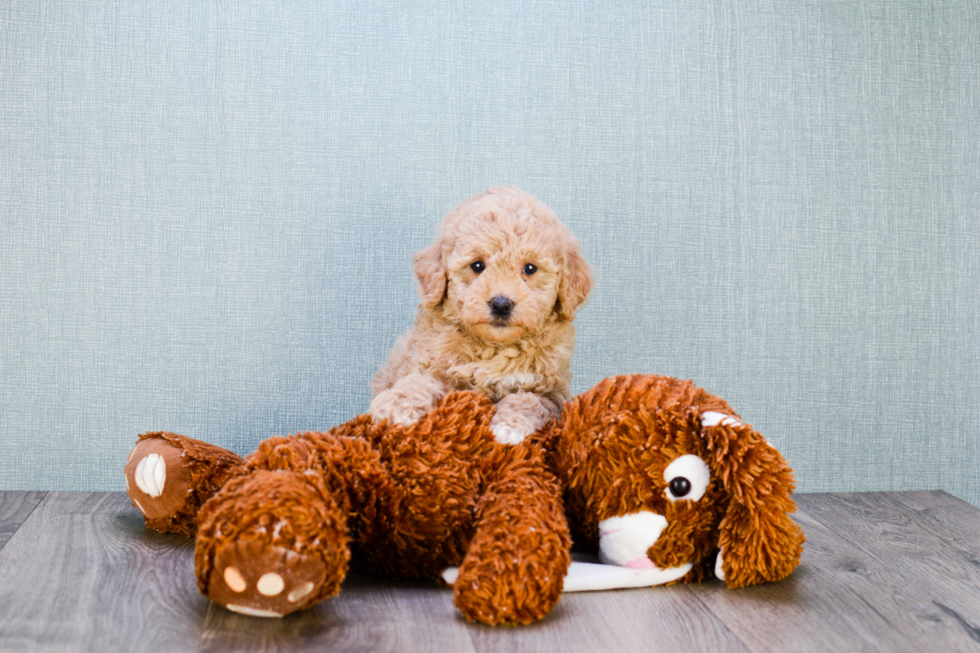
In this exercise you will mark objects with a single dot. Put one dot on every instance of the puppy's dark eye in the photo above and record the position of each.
(478, 267)
(680, 486)
(530, 269)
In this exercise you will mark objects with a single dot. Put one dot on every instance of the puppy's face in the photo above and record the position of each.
(502, 285)
(503, 267)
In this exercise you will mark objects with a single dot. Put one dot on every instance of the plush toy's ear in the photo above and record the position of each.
(430, 270)
(757, 540)
(576, 281)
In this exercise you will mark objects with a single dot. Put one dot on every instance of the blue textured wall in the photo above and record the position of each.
(208, 212)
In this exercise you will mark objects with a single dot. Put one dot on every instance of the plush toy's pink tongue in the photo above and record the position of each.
(640, 563)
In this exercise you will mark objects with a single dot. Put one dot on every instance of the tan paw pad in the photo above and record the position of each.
(300, 592)
(258, 579)
(151, 475)
(270, 585)
(158, 478)
(234, 580)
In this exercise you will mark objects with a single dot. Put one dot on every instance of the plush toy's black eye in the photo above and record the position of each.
(680, 486)
(478, 267)
(530, 269)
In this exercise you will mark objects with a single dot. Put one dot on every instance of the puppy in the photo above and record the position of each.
(498, 290)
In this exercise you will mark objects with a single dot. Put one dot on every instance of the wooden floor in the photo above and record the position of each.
(881, 572)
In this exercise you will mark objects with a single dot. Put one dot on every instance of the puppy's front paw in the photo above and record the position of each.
(408, 400)
(508, 433)
(519, 415)
(395, 409)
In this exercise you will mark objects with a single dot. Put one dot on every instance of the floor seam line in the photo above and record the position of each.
(24, 521)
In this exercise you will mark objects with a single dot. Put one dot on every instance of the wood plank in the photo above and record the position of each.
(938, 563)
(667, 619)
(83, 573)
(925, 499)
(950, 517)
(371, 615)
(840, 598)
(15, 507)
(895, 571)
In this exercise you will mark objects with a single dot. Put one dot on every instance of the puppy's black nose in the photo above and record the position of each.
(501, 306)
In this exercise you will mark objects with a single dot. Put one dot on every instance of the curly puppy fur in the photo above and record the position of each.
(501, 245)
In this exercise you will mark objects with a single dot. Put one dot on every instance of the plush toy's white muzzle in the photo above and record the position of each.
(624, 540)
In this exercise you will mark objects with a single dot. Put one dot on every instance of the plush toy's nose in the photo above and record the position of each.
(501, 306)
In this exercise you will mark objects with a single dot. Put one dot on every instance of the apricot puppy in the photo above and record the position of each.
(498, 291)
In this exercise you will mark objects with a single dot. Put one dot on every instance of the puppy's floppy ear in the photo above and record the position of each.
(430, 270)
(576, 281)
(758, 541)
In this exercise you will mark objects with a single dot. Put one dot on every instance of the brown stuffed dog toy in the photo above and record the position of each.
(657, 477)
(275, 533)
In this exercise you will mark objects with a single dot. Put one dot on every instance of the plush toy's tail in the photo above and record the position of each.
(169, 477)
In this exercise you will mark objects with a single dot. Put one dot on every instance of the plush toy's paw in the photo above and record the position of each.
(271, 543)
(147, 469)
(261, 580)
(512, 591)
(169, 477)
(516, 562)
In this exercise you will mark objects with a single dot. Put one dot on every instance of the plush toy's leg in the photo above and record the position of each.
(276, 539)
(516, 562)
(271, 543)
(169, 477)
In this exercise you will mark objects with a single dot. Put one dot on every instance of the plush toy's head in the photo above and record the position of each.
(660, 474)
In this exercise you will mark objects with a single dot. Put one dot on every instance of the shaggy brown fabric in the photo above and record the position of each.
(195, 470)
(611, 448)
(403, 501)
(409, 501)
(272, 522)
(516, 562)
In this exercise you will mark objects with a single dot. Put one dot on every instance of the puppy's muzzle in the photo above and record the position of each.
(501, 307)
